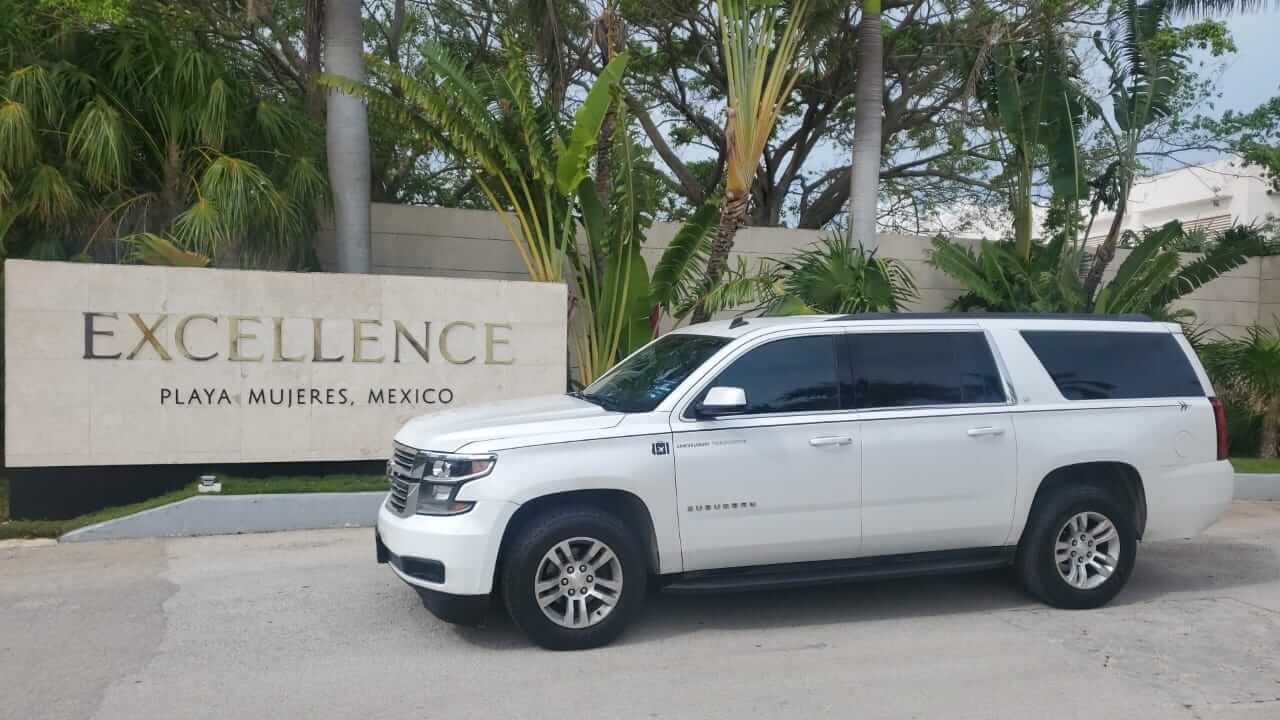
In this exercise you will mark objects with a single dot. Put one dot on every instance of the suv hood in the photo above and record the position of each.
(450, 430)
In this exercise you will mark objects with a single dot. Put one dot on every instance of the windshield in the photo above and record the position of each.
(641, 381)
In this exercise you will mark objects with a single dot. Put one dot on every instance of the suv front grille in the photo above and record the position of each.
(402, 474)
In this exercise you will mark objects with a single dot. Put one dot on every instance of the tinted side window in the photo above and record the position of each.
(791, 375)
(1114, 365)
(906, 369)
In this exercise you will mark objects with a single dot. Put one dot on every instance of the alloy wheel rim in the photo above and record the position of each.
(578, 582)
(1087, 550)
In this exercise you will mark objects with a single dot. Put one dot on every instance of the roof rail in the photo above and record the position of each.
(990, 316)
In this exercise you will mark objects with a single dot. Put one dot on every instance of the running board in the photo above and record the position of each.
(829, 572)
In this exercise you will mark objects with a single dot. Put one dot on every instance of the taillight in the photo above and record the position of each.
(1220, 420)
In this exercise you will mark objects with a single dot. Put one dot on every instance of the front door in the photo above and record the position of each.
(778, 482)
(939, 457)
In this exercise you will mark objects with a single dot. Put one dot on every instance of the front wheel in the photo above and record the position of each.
(574, 578)
(1078, 549)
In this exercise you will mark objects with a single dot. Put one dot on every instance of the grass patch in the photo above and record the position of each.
(12, 529)
(1256, 465)
(232, 485)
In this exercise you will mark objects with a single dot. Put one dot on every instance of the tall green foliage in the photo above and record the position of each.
(1149, 280)
(832, 277)
(531, 163)
(1146, 57)
(124, 137)
(1033, 89)
(1248, 369)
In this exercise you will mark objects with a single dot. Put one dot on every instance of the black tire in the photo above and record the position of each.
(1036, 562)
(522, 564)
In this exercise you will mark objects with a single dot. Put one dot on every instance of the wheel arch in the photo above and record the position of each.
(626, 505)
(1109, 475)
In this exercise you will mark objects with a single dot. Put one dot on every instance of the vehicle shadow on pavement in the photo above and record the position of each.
(1201, 566)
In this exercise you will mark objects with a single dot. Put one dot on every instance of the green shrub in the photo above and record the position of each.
(1244, 428)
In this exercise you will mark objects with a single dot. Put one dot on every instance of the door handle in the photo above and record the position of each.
(834, 440)
(981, 431)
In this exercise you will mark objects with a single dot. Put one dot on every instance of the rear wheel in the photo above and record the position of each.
(1079, 547)
(574, 578)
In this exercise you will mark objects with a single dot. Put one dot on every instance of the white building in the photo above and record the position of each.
(1209, 197)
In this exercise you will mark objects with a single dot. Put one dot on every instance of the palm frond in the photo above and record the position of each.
(99, 143)
(678, 273)
(742, 288)
(34, 87)
(18, 145)
(153, 249)
(211, 127)
(1221, 258)
(50, 196)
(201, 227)
(573, 158)
(241, 191)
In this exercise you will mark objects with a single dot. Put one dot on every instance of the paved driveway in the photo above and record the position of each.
(305, 625)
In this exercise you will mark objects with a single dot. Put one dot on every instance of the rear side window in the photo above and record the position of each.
(791, 375)
(1114, 365)
(913, 369)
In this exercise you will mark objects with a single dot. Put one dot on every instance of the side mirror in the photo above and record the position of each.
(723, 401)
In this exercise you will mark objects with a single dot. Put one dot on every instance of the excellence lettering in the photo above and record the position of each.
(247, 340)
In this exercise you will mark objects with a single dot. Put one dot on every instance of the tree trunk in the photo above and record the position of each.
(347, 137)
(608, 32)
(1270, 428)
(313, 48)
(864, 181)
(1107, 250)
(732, 215)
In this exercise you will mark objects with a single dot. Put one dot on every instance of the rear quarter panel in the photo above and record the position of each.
(1171, 442)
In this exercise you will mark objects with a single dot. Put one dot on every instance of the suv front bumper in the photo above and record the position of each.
(454, 555)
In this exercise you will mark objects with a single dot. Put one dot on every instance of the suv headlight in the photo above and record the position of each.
(443, 476)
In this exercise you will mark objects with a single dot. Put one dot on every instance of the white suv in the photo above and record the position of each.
(775, 452)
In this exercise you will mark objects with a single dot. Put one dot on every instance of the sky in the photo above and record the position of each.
(1253, 74)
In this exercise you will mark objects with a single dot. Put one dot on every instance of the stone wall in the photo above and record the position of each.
(131, 365)
(410, 240)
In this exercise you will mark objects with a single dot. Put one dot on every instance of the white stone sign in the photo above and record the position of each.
(123, 365)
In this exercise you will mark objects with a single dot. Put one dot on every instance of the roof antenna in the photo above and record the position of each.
(737, 323)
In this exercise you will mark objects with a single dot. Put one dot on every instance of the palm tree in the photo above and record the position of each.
(1249, 367)
(1145, 76)
(1150, 279)
(131, 142)
(761, 70)
(832, 277)
(864, 174)
(347, 136)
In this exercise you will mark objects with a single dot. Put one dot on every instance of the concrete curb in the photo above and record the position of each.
(234, 514)
(1257, 486)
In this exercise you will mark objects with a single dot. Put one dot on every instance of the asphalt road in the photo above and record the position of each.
(305, 625)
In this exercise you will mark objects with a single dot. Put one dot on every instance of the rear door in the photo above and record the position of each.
(939, 457)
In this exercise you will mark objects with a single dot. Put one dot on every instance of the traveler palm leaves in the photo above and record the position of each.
(761, 69)
(532, 167)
